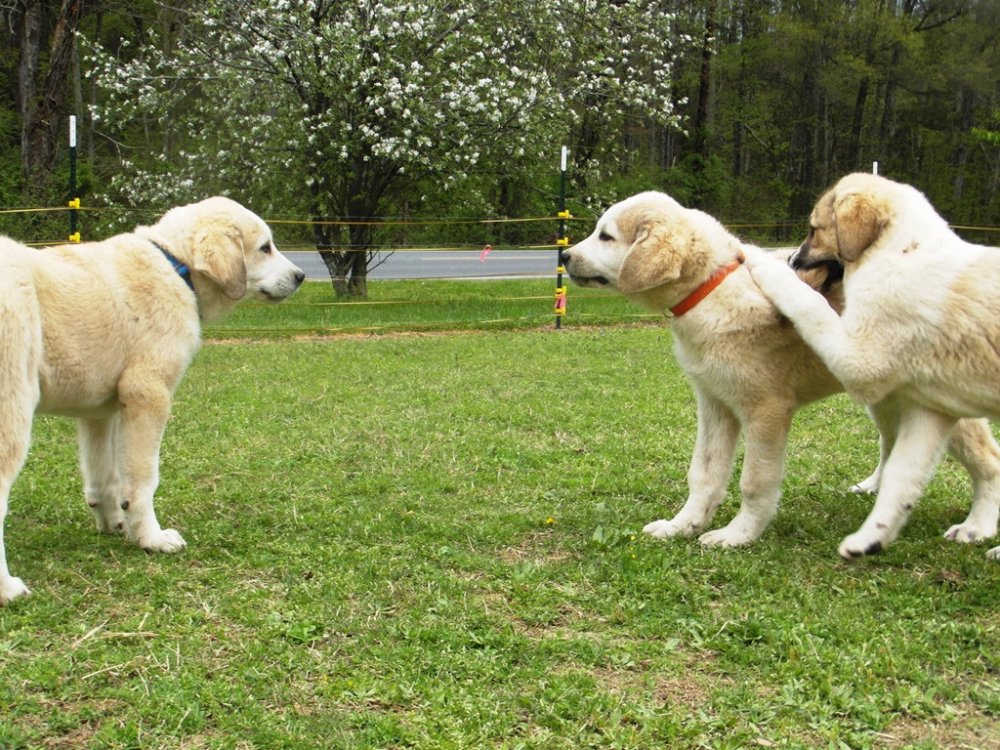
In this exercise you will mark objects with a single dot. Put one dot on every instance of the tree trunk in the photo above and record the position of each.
(967, 101)
(88, 131)
(857, 125)
(42, 113)
(805, 139)
(348, 268)
(342, 265)
(702, 112)
(27, 76)
(885, 131)
(585, 142)
(346, 258)
(739, 149)
(348, 272)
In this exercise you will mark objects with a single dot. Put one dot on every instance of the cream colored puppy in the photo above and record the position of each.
(749, 369)
(104, 331)
(921, 327)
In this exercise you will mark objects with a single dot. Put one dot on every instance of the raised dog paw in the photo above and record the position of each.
(753, 256)
(968, 533)
(11, 589)
(767, 269)
(165, 540)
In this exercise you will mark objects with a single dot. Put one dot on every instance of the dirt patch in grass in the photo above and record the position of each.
(968, 732)
(81, 735)
(534, 549)
(690, 692)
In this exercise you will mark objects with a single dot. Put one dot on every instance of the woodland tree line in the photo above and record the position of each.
(333, 110)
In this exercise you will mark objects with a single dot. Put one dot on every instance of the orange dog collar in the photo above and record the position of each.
(706, 288)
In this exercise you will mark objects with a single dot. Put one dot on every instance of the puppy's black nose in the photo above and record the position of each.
(299, 278)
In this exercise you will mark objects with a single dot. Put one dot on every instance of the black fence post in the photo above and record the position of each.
(561, 243)
(74, 199)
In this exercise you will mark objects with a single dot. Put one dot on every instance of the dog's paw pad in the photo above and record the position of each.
(11, 589)
(167, 540)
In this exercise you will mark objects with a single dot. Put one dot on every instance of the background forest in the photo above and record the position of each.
(330, 110)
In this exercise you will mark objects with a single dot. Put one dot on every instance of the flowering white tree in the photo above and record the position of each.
(339, 108)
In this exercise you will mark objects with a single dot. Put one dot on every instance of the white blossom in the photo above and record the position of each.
(265, 96)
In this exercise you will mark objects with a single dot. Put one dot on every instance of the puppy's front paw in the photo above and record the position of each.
(770, 273)
(744, 529)
(862, 543)
(733, 535)
(109, 523)
(12, 588)
(754, 256)
(664, 529)
(993, 554)
(968, 533)
(165, 540)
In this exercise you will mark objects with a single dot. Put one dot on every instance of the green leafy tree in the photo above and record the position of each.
(801, 93)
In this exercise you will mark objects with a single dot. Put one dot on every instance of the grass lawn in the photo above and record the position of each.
(395, 306)
(433, 542)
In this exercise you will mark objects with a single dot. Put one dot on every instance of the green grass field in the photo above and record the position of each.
(408, 306)
(434, 542)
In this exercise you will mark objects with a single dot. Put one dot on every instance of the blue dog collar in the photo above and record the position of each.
(182, 270)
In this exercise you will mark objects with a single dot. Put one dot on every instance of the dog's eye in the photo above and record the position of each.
(266, 248)
(605, 237)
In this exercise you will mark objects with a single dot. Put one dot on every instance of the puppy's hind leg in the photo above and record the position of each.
(100, 450)
(19, 395)
(708, 475)
(971, 443)
(10, 587)
(885, 415)
(921, 441)
(760, 483)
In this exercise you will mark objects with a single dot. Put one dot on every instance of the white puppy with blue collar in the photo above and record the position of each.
(104, 332)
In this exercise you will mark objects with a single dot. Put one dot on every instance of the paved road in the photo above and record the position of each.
(444, 265)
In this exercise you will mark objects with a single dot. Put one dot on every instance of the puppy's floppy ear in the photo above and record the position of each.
(655, 257)
(218, 253)
(859, 223)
